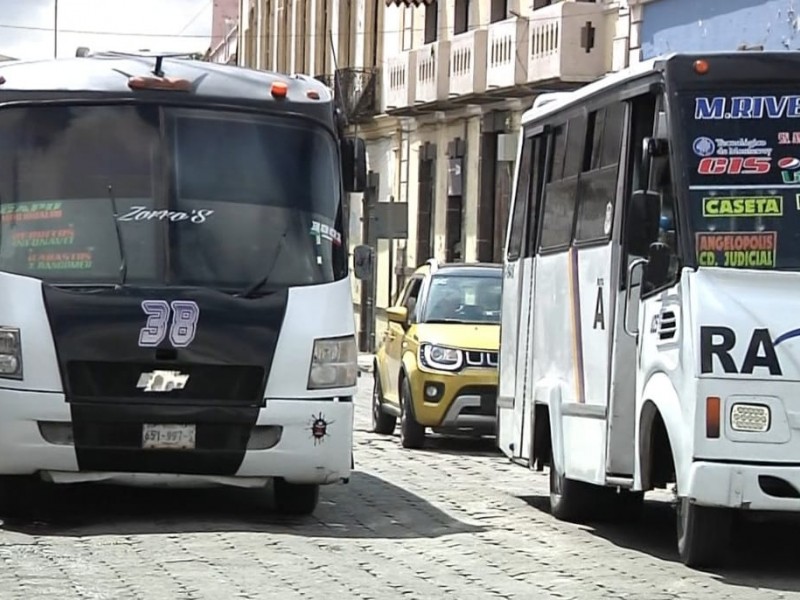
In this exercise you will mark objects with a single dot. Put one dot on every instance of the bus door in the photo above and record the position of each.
(620, 450)
(517, 294)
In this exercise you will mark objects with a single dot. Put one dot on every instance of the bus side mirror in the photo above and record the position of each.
(363, 262)
(354, 164)
(643, 220)
(659, 260)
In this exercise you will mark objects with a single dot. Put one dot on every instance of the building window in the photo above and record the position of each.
(499, 10)
(431, 22)
(461, 17)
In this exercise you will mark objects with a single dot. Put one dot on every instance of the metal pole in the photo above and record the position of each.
(55, 29)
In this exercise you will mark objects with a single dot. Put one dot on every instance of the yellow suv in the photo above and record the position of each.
(437, 363)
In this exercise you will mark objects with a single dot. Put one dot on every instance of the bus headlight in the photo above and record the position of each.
(754, 418)
(10, 353)
(334, 363)
(441, 358)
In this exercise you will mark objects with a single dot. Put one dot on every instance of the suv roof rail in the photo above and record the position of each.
(433, 263)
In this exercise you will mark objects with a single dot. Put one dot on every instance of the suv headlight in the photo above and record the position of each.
(10, 353)
(441, 358)
(334, 363)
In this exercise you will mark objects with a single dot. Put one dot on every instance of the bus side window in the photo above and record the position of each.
(642, 114)
(516, 227)
(560, 193)
(597, 189)
(535, 204)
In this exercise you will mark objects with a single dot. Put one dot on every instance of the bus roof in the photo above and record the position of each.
(744, 67)
(564, 99)
(109, 73)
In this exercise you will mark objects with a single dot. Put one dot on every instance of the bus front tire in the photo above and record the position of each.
(412, 434)
(295, 498)
(704, 534)
(382, 423)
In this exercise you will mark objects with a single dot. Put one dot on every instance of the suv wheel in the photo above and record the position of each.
(382, 423)
(412, 434)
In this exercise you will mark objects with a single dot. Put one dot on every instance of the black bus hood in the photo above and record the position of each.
(103, 357)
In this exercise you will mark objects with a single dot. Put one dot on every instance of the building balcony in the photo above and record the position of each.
(431, 73)
(467, 63)
(399, 81)
(567, 43)
(507, 54)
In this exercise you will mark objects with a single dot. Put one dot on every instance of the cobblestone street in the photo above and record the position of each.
(453, 521)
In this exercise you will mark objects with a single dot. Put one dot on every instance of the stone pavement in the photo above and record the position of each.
(453, 521)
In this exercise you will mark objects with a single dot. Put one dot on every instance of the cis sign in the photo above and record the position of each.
(734, 165)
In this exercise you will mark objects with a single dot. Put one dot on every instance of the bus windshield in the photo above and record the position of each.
(202, 198)
(743, 150)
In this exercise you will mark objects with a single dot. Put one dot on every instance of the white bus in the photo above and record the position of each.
(174, 289)
(650, 279)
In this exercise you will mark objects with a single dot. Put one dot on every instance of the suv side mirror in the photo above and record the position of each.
(397, 314)
(363, 262)
(354, 164)
(643, 220)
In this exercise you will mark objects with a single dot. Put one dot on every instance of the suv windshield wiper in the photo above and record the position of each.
(248, 293)
(123, 264)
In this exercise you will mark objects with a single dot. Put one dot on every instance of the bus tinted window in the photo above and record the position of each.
(521, 199)
(210, 207)
(742, 153)
(560, 193)
(597, 187)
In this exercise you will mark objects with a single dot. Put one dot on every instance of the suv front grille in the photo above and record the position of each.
(475, 358)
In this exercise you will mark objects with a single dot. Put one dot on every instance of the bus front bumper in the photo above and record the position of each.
(770, 487)
(302, 441)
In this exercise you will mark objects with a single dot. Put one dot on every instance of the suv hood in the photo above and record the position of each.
(469, 336)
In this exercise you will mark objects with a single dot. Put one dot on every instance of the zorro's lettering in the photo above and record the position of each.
(719, 341)
(747, 107)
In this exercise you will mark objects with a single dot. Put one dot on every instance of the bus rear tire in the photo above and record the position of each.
(382, 423)
(704, 534)
(570, 500)
(412, 434)
(298, 499)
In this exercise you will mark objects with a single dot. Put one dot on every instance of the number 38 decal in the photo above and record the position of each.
(182, 328)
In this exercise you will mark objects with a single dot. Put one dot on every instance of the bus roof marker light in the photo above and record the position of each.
(279, 89)
(313, 94)
(701, 66)
(2, 80)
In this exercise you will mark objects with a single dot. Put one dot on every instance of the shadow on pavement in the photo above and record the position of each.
(368, 508)
(437, 444)
(764, 549)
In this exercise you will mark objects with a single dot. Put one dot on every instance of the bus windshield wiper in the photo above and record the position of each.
(123, 264)
(248, 293)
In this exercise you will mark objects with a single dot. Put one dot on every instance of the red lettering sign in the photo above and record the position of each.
(734, 165)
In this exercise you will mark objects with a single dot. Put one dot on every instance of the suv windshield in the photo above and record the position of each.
(744, 178)
(464, 299)
(203, 197)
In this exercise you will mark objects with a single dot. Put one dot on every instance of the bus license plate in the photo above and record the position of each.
(172, 437)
